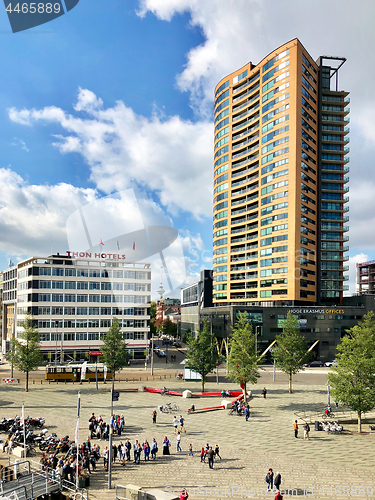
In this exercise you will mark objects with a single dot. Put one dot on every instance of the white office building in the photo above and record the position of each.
(73, 300)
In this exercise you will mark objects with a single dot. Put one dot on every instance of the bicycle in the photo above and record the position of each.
(234, 411)
(172, 407)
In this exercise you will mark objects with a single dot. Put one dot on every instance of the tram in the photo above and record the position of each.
(73, 372)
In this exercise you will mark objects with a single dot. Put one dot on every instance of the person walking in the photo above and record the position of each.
(146, 450)
(264, 392)
(277, 481)
(203, 454)
(278, 496)
(154, 449)
(154, 413)
(269, 479)
(191, 450)
(128, 447)
(210, 456)
(175, 424)
(105, 458)
(295, 425)
(216, 451)
(184, 494)
(166, 445)
(247, 413)
(182, 422)
(123, 454)
(306, 431)
(178, 442)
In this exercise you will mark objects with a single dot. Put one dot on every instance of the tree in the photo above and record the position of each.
(169, 328)
(353, 379)
(290, 351)
(25, 354)
(153, 318)
(243, 361)
(202, 356)
(115, 350)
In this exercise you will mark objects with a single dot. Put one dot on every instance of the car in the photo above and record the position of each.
(314, 364)
(160, 353)
(176, 344)
(330, 363)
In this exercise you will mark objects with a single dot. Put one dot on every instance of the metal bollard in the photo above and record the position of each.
(33, 382)
(65, 381)
(41, 382)
(49, 382)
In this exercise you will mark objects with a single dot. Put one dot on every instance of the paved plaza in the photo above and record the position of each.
(247, 449)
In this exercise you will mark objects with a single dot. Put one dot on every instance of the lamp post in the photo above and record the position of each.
(152, 354)
(110, 441)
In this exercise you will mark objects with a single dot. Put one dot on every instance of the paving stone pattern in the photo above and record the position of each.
(247, 449)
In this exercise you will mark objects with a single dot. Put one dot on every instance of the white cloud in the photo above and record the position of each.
(20, 142)
(170, 156)
(353, 261)
(30, 215)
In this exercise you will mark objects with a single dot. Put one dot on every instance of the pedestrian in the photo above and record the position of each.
(140, 448)
(166, 445)
(191, 450)
(105, 457)
(295, 429)
(154, 413)
(182, 422)
(277, 481)
(135, 451)
(178, 442)
(154, 449)
(128, 447)
(278, 496)
(306, 430)
(119, 450)
(269, 479)
(247, 413)
(210, 456)
(123, 454)
(146, 450)
(264, 392)
(175, 424)
(184, 494)
(216, 451)
(114, 453)
(203, 454)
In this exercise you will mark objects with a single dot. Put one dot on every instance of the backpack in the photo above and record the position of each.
(268, 477)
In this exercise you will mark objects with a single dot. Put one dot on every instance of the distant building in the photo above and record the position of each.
(73, 301)
(166, 308)
(194, 298)
(366, 278)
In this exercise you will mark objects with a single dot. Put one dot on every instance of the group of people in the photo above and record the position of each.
(306, 430)
(272, 480)
(209, 453)
(100, 429)
(87, 456)
(242, 408)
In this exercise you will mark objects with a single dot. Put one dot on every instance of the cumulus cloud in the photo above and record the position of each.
(170, 156)
(32, 217)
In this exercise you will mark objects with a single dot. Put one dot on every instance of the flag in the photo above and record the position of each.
(77, 429)
(22, 416)
(101, 242)
(133, 245)
(118, 246)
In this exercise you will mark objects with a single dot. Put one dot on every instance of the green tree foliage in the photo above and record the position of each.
(243, 361)
(25, 354)
(202, 356)
(153, 318)
(290, 351)
(115, 350)
(353, 379)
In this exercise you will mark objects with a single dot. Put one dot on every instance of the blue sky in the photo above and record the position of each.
(118, 94)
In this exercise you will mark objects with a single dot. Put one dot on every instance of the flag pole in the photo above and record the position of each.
(77, 434)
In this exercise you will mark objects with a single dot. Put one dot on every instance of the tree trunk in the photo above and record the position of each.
(359, 422)
(203, 380)
(244, 392)
(290, 383)
(27, 381)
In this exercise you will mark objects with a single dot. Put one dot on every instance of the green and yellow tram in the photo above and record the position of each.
(73, 372)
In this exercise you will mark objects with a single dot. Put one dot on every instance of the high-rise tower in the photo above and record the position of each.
(279, 181)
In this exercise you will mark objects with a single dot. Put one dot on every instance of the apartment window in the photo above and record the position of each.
(94, 298)
(70, 311)
(93, 311)
(82, 285)
(44, 284)
(44, 271)
(82, 298)
(70, 272)
(45, 297)
(58, 285)
(81, 311)
(43, 311)
(70, 285)
(57, 310)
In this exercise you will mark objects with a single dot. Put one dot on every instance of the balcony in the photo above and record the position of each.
(247, 160)
(247, 122)
(237, 108)
(344, 169)
(246, 180)
(246, 132)
(246, 84)
(240, 144)
(248, 112)
(247, 190)
(246, 151)
(245, 171)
